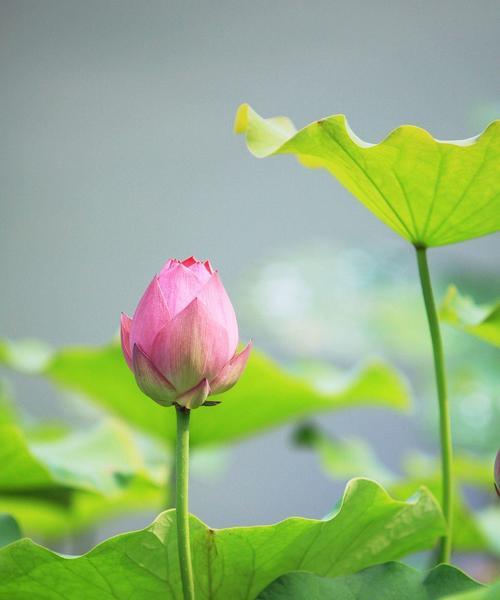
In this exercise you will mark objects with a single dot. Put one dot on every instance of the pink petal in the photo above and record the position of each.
(150, 316)
(200, 271)
(190, 347)
(125, 325)
(169, 264)
(187, 262)
(215, 298)
(150, 380)
(179, 286)
(208, 267)
(231, 372)
(194, 397)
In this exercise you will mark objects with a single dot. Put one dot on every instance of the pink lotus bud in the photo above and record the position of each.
(182, 340)
(497, 473)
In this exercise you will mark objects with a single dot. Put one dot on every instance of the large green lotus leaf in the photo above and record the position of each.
(463, 313)
(390, 580)
(345, 458)
(238, 563)
(468, 535)
(486, 593)
(429, 191)
(265, 396)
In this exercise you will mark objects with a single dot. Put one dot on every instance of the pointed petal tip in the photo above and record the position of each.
(208, 266)
(233, 370)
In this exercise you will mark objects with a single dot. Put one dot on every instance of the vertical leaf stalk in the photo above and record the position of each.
(444, 409)
(182, 506)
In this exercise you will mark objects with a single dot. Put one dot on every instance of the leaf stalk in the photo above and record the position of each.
(444, 552)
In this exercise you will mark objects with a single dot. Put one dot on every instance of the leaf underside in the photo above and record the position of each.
(430, 192)
(238, 563)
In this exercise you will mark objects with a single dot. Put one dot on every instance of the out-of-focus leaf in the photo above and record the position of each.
(57, 513)
(467, 468)
(430, 192)
(26, 356)
(489, 522)
(235, 563)
(462, 312)
(265, 396)
(345, 458)
(391, 580)
(59, 484)
(102, 460)
(9, 529)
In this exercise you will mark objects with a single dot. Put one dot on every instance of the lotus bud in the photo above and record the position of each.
(181, 342)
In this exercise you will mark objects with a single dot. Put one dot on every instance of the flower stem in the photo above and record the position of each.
(182, 510)
(444, 409)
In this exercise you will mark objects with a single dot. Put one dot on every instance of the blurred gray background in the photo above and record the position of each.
(118, 152)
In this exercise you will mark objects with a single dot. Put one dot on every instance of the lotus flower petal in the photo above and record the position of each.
(150, 380)
(179, 285)
(150, 316)
(215, 298)
(125, 325)
(194, 397)
(190, 347)
(188, 262)
(231, 372)
(208, 267)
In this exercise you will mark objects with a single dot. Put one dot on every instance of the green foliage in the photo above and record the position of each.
(430, 192)
(485, 593)
(265, 396)
(391, 580)
(55, 485)
(237, 563)
(100, 460)
(462, 312)
(344, 458)
(9, 530)
(56, 514)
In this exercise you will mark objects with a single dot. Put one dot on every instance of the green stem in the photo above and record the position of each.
(444, 409)
(182, 510)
